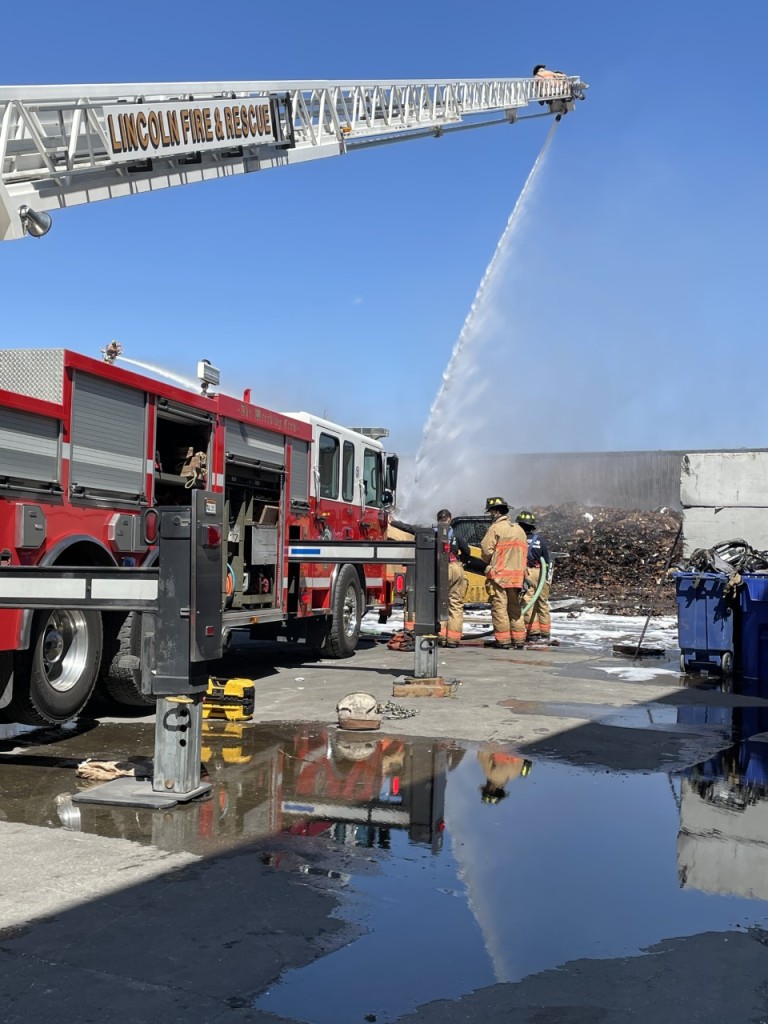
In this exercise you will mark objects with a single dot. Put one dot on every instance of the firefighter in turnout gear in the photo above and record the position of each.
(504, 547)
(538, 620)
(450, 632)
(500, 768)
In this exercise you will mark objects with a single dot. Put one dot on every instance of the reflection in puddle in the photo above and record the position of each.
(456, 864)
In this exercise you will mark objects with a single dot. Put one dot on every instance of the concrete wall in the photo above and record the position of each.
(724, 496)
(631, 480)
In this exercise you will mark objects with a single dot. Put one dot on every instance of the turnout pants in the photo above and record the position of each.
(537, 618)
(507, 618)
(457, 590)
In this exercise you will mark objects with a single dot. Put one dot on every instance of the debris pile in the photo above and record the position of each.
(615, 557)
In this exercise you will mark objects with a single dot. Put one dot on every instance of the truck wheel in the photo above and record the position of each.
(121, 665)
(54, 678)
(347, 614)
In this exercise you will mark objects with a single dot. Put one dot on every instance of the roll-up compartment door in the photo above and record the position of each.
(299, 471)
(108, 437)
(254, 445)
(29, 447)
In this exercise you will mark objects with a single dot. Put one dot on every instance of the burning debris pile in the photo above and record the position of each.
(615, 557)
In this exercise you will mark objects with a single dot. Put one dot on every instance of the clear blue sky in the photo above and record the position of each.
(340, 286)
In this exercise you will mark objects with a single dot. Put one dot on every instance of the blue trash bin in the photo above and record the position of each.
(705, 618)
(753, 646)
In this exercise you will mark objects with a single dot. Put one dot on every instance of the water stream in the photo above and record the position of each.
(183, 382)
(461, 422)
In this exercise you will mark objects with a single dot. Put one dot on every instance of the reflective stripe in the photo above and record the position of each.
(125, 589)
(46, 588)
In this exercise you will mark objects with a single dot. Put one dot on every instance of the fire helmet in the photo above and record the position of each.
(497, 505)
(526, 519)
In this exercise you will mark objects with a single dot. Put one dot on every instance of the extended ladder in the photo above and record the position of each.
(70, 144)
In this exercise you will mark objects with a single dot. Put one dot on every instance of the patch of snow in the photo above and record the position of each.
(590, 631)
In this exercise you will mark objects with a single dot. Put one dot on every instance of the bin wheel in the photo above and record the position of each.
(726, 663)
(683, 668)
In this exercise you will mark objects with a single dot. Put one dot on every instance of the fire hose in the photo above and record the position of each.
(546, 571)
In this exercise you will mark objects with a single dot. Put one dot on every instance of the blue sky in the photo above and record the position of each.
(340, 286)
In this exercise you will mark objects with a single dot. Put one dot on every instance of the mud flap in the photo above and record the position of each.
(6, 678)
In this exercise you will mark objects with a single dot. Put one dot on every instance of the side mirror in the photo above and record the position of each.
(390, 473)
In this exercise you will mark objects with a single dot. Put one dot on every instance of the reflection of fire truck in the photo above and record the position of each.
(358, 788)
(267, 785)
(352, 788)
(85, 446)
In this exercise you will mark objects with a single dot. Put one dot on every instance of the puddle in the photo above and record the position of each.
(459, 865)
(652, 715)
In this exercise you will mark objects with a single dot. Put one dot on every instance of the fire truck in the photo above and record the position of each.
(86, 446)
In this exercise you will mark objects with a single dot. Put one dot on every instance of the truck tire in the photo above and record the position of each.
(54, 678)
(347, 606)
(121, 665)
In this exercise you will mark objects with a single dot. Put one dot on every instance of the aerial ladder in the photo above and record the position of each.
(65, 145)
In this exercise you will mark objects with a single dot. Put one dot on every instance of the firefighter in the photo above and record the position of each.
(537, 619)
(450, 632)
(542, 71)
(500, 768)
(504, 547)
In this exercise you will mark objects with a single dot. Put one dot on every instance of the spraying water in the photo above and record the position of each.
(456, 431)
(184, 382)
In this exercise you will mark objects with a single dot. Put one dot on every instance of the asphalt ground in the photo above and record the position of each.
(142, 925)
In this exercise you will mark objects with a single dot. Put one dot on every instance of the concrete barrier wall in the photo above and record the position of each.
(724, 496)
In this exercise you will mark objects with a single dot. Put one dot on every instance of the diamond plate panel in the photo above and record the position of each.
(34, 372)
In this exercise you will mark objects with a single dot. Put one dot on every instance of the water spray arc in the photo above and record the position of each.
(183, 382)
(438, 458)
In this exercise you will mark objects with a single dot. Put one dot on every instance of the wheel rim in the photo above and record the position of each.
(349, 615)
(64, 649)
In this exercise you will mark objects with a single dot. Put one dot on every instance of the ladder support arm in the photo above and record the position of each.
(66, 145)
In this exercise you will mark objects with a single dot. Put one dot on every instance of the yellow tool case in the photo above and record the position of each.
(231, 699)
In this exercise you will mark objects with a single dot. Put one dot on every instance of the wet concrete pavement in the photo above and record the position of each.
(554, 844)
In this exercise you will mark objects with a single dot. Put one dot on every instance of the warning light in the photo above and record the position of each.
(447, 548)
(396, 785)
(399, 583)
(441, 826)
(151, 526)
(211, 536)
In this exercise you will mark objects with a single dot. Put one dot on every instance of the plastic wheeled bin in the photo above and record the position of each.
(753, 645)
(705, 618)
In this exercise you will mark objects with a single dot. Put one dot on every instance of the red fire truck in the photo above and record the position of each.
(86, 446)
